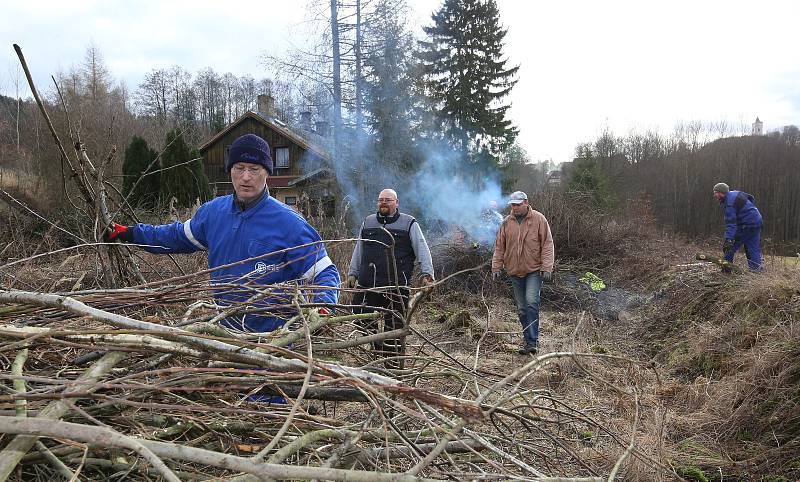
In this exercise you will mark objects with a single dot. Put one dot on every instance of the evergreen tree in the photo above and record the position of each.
(388, 92)
(588, 180)
(183, 177)
(138, 158)
(201, 184)
(467, 78)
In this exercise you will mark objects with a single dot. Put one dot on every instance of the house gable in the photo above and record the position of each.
(286, 145)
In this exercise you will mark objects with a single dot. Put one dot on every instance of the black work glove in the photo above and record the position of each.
(547, 276)
(118, 231)
(496, 276)
(727, 246)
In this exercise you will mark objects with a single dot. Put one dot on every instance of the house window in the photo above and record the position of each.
(225, 159)
(290, 200)
(282, 157)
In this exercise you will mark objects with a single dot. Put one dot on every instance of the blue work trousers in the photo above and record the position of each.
(750, 238)
(526, 294)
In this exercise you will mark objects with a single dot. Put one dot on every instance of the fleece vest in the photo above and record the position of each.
(387, 255)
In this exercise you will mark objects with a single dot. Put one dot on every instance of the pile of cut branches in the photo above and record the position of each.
(169, 393)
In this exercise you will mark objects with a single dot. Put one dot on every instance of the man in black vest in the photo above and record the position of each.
(382, 264)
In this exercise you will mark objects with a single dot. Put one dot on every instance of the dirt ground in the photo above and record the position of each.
(630, 378)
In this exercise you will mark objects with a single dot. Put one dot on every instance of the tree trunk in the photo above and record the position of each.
(359, 115)
(337, 80)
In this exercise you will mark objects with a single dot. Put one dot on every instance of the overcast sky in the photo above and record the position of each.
(584, 65)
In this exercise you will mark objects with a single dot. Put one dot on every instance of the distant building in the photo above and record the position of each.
(758, 127)
(559, 176)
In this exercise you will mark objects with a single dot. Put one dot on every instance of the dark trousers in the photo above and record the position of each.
(391, 298)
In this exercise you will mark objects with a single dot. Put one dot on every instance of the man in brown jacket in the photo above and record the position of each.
(524, 248)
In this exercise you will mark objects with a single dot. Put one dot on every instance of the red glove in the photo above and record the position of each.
(118, 231)
(324, 311)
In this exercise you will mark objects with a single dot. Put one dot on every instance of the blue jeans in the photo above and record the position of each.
(750, 238)
(526, 294)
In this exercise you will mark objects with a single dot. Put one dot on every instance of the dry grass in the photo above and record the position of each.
(21, 187)
(732, 344)
(777, 262)
(597, 397)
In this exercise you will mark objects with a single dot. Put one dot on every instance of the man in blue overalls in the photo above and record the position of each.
(742, 225)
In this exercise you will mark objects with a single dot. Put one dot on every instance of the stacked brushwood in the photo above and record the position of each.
(118, 372)
(142, 381)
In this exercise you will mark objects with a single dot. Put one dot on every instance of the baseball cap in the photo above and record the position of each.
(517, 197)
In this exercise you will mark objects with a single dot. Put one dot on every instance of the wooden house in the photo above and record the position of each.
(302, 173)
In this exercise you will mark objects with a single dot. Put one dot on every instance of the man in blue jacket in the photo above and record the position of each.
(253, 241)
(742, 225)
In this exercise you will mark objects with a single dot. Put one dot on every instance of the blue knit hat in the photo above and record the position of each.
(249, 148)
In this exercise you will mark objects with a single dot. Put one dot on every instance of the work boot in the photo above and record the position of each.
(528, 349)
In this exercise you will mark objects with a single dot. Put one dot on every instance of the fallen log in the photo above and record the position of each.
(104, 437)
(328, 394)
(711, 258)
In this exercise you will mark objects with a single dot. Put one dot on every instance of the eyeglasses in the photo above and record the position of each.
(385, 199)
(238, 169)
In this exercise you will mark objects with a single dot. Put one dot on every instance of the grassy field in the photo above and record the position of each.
(782, 260)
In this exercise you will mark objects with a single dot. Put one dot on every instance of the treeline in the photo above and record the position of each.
(88, 103)
(207, 100)
(397, 103)
(392, 101)
(676, 175)
(87, 106)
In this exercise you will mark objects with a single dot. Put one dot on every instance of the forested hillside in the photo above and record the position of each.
(675, 176)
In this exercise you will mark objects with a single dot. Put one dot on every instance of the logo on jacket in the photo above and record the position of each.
(262, 267)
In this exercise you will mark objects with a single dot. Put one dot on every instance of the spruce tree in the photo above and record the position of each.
(588, 180)
(467, 78)
(388, 93)
(140, 183)
(201, 184)
(183, 177)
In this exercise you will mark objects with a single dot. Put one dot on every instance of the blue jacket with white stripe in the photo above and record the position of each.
(266, 244)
